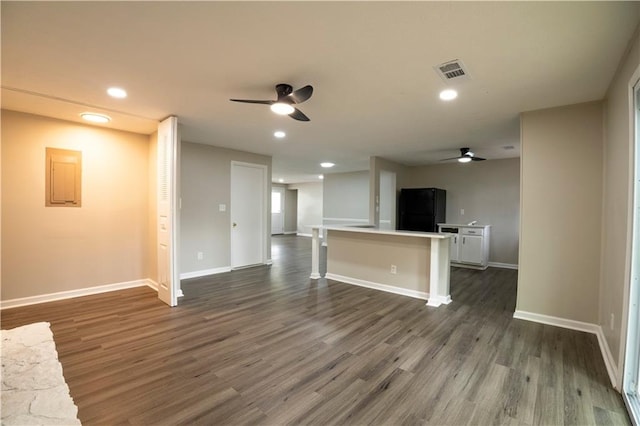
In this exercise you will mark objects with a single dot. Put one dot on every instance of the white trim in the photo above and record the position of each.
(289, 232)
(151, 284)
(578, 326)
(300, 234)
(607, 356)
(377, 286)
(269, 262)
(204, 272)
(503, 265)
(345, 219)
(439, 300)
(50, 297)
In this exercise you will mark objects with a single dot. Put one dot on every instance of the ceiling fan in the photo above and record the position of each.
(465, 156)
(287, 98)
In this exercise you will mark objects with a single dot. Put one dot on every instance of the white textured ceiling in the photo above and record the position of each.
(370, 63)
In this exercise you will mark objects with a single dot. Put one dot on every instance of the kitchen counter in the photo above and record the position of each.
(414, 264)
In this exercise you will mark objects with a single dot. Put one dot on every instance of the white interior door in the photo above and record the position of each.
(387, 200)
(167, 160)
(277, 210)
(248, 214)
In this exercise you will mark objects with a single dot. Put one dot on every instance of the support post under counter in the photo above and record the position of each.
(315, 253)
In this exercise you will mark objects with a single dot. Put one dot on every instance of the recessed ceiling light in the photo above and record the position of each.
(282, 108)
(320, 177)
(279, 134)
(448, 95)
(116, 92)
(327, 165)
(281, 180)
(95, 118)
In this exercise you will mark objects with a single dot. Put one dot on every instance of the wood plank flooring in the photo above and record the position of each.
(266, 345)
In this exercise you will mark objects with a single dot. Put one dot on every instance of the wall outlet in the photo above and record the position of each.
(222, 207)
(461, 212)
(200, 255)
(394, 270)
(611, 321)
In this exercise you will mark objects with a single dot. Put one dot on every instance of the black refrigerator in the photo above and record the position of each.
(421, 209)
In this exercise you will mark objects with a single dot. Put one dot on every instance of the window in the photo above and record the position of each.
(276, 202)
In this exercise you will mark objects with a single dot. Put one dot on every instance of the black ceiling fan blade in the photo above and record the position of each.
(298, 115)
(452, 158)
(251, 101)
(302, 94)
(477, 159)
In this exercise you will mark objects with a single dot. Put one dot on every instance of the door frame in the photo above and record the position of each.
(629, 352)
(266, 211)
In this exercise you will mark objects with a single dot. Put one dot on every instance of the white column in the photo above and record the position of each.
(315, 253)
(439, 276)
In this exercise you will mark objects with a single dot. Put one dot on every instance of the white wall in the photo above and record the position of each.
(561, 209)
(309, 205)
(205, 184)
(618, 169)
(488, 191)
(345, 198)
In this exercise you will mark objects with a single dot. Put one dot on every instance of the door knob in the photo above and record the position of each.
(235, 224)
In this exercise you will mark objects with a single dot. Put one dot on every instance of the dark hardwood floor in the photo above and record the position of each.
(266, 345)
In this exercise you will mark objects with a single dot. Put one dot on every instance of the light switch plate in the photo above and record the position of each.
(222, 207)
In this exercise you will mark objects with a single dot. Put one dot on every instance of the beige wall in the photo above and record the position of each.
(369, 257)
(53, 249)
(488, 191)
(618, 150)
(205, 184)
(561, 212)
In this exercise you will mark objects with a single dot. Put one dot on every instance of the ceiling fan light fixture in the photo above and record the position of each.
(464, 159)
(327, 165)
(282, 108)
(448, 95)
(279, 134)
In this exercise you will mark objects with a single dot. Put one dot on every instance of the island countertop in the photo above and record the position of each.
(370, 229)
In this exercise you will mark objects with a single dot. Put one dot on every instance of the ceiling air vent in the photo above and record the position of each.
(452, 70)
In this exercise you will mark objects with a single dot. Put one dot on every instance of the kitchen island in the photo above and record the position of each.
(414, 264)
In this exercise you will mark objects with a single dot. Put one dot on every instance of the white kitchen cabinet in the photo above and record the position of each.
(469, 244)
(471, 249)
(454, 248)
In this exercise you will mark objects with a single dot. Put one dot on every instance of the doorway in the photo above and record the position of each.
(387, 200)
(277, 210)
(248, 214)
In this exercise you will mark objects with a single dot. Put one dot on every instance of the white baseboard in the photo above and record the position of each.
(43, 298)
(204, 272)
(503, 265)
(377, 286)
(609, 361)
(151, 283)
(289, 232)
(300, 234)
(269, 262)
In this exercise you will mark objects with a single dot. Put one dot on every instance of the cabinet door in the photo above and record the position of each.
(453, 247)
(471, 249)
